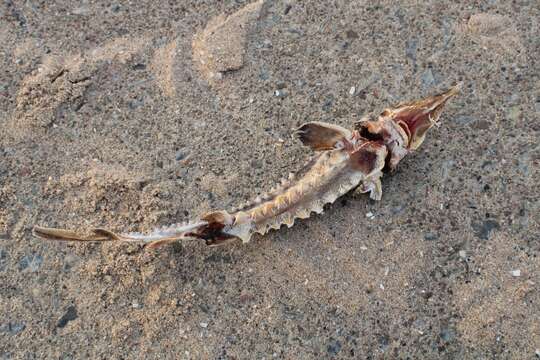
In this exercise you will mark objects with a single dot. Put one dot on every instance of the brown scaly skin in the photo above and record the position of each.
(344, 160)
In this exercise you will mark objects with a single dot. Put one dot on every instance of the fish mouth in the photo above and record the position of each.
(417, 117)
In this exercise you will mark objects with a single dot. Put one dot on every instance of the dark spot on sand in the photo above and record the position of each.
(70, 314)
(351, 34)
(139, 66)
(483, 229)
(12, 328)
(333, 347)
(287, 9)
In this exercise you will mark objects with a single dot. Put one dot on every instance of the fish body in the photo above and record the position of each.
(328, 176)
(344, 160)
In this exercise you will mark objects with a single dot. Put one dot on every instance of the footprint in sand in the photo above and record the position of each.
(61, 82)
(493, 32)
(185, 66)
(221, 46)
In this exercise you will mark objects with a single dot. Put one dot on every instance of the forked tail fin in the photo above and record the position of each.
(154, 239)
(215, 228)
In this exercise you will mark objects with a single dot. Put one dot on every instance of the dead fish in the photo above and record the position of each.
(344, 160)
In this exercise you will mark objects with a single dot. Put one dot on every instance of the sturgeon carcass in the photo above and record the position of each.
(344, 160)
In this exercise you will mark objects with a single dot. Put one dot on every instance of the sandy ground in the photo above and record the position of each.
(134, 115)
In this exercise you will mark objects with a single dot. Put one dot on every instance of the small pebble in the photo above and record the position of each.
(352, 90)
(280, 93)
(516, 273)
(447, 334)
(333, 347)
(484, 229)
(287, 9)
(139, 66)
(180, 154)
(397, 209)
(3, 259)
(136, 305)
(431, 237)
(69, 315)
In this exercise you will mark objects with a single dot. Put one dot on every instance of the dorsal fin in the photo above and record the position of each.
(321, 136)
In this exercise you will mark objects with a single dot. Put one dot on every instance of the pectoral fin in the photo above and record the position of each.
(321, 136)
